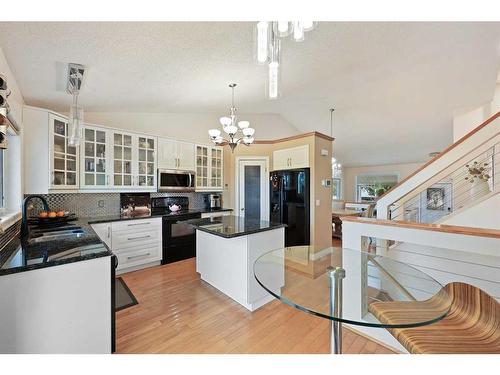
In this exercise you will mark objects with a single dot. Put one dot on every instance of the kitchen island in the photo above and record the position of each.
(226, 249)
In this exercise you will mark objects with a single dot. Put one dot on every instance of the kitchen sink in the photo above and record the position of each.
(59, 235)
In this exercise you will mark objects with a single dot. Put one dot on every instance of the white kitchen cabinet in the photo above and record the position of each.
(209, 168)
(103, 231)
(146, 162)
(291, 158)
(50, 164)
(174, 154)
(134, 161)
(95, 158)
(136, 243)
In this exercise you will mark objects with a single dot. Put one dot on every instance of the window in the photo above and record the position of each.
(370, 187)
(336, 188)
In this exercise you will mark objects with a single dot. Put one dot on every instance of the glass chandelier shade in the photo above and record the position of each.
(75, 122)
(268, 47)
(231, 126)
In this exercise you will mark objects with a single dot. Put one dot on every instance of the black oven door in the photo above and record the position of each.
(179, 240)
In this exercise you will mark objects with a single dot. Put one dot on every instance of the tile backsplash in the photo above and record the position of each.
(102, 204)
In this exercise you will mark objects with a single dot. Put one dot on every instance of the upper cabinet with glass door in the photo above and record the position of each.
(95, 158)
(209, 168)
(146, 162)
(64, 158)
(123, 176)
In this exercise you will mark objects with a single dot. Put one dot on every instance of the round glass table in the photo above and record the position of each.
(350, 286)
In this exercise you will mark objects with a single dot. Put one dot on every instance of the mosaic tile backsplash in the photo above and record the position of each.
(102, 204)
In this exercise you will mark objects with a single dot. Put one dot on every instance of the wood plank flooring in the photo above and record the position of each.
(179, 313)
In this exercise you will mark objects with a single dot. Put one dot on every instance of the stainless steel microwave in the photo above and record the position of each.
(175, 180)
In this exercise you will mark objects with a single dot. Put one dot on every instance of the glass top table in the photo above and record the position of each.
(350, 286)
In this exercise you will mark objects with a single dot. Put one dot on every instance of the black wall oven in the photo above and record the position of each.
(179, 238)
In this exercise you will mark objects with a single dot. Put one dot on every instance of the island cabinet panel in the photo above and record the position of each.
(259, 245)
(227, 264)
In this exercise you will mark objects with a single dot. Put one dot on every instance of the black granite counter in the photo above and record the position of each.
(233, 226)
(119, 217)
(20, 256)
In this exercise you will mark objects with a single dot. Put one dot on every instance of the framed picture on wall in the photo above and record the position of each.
(435, 199)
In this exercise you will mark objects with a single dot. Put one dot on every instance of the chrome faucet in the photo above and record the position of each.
(24, 221)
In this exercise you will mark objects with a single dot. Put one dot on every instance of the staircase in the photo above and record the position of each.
(441, 191)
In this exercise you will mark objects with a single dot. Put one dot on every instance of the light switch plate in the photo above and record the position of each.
(317, 202)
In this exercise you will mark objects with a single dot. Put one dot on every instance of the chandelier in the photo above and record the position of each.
(230, 128)
(268, 49)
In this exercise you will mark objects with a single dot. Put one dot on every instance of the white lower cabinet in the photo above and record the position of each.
(103, 230)
(215, 214)
(136, 243)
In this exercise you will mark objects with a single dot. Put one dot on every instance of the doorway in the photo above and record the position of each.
(252, 188)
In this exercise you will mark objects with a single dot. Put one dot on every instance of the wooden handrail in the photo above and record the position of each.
(454, 229)
(442, 153)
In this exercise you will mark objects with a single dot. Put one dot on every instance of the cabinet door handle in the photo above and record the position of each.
(138, 238)
(134, 224)
(109, 231)
(137, 256)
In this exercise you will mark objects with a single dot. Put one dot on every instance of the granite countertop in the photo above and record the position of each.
(120, 217)
(233, 226)
(20, 256)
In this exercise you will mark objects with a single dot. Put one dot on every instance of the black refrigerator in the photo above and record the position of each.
(290, 204)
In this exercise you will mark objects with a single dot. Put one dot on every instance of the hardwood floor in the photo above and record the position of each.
(179, 313)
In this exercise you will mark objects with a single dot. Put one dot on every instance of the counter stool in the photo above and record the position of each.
(472, 325)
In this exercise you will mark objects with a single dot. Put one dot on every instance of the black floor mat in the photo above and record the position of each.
(123, 296)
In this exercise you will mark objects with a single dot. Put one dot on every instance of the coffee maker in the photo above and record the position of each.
(213, 201)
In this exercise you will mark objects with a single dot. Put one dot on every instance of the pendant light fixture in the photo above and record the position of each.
(231, 126)
(336, 167)
(268, 47)
(75, 78)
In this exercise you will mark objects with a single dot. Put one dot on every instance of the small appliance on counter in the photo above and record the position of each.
(213, 201)
(135, 204)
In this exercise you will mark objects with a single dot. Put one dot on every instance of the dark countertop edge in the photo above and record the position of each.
(54, 263)
(246, 233)
(110, 219)
(15, 242)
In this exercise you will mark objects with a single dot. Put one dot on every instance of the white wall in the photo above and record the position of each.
(190, 127)
(349, 175)
(466, 120)
(485, 214)
(13, 155)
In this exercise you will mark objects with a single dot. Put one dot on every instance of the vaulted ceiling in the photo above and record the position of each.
(394, 86)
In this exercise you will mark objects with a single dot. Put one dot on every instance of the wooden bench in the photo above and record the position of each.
(472, 326)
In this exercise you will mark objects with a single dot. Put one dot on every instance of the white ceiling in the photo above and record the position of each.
(395, 86)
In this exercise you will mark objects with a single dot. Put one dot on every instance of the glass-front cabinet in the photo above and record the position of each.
(64, 158)
(209, 168)
(95, 165)
(122, 160)
(146, 161)
(216, 168)
(117, 160)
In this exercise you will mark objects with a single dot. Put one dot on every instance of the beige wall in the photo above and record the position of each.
(349, 175)
(321, 228)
